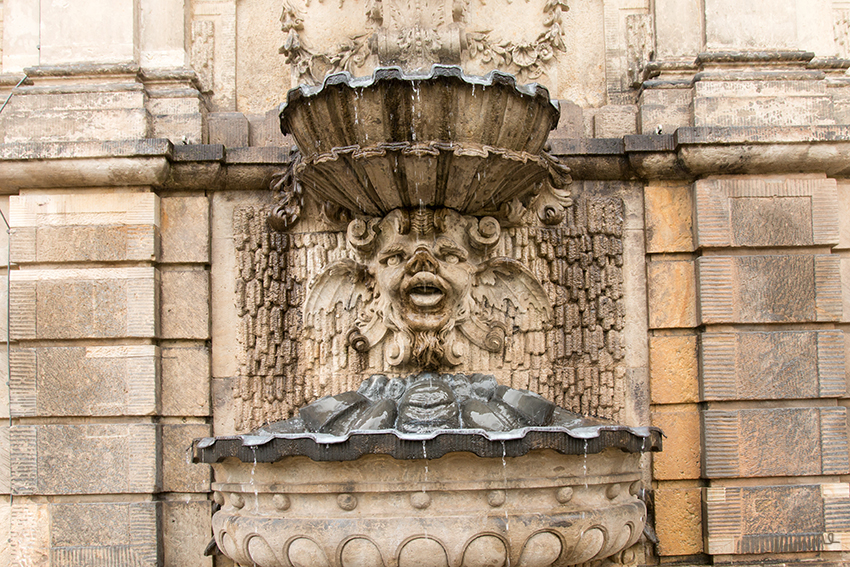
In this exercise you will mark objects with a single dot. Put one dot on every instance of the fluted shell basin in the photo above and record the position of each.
(542, 507)
(440, 139)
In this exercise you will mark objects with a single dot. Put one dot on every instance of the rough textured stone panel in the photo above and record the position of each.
(672, 294)
(673, 369)
(85, 303)
(185, 229)
(104, 534)
(5, 463)
(186, 530)
(772, 365)
(95, 380)
(6, 528)
(762, 289)
(681, 456)
(179, 474)
(186, 381)
(775, 442)
(185, 304)
(664, 109)
(766, 212)
(678, 520)
(229, 129)
(30, 534)
(615, 121)
(777, 519)
(47, 459)
(669, 218)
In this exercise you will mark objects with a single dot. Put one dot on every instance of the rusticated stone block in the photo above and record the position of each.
(104, 227)
(678, 520)
(118, 380)
(186, 531)
(773, 365)
(185, 381)
(84, 303)
(179, 474)
(766, 212)
(762, 289)
(185, 304)
(104, 534)
(229, 129)
(669, 218)
(615, 121)
(775, 442)
(673, 369)
(843, 188)
(667, 109)
(672, 294)
(681, 456)
(29, 533)
(777, 519)
(116, 458)
(6, 527)
(5, 464)
(185, 229)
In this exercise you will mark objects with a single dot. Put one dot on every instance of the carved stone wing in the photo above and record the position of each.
(344, 281)
(504, 279)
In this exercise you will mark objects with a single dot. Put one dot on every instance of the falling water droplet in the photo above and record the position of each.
(584, 463)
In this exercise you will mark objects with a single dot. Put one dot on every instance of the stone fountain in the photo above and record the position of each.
(432, 461)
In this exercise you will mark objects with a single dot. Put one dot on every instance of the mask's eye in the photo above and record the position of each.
(451, 259)
(393, 260)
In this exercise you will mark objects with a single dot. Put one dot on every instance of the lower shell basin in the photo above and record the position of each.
(543, 508)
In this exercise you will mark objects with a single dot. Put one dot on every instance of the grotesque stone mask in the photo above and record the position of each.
(428, 285)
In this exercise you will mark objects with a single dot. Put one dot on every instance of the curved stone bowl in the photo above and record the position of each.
(444, 139)
(537, 509)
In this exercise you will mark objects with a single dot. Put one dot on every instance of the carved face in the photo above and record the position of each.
(425, 275)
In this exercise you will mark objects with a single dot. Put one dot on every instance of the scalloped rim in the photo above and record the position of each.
(345, 78)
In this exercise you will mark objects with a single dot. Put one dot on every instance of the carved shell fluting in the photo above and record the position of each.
(470, 178)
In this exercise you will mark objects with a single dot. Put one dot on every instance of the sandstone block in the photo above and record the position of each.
(185, 230)
(672, 293)
(681, 456)
(762, 111)
(669, 218)
(84, 381)
(673, 369)
(615, 121)
(179, 474)
(777, 519)
(6, 528)
(756, 289)
(84, 303)
(186, 530)
(230, 129)
(105, 534)
(5, 465)
(678, 520)
(88, 227)
(116, 458)
(664, 109)
(753, 212)
(671, 17)
(843, 190)
(185, 381)
(571, 123)
(773, 365)
(4, 385)
(266, 131)
(29, 533)
(775, 442)
(185, 304)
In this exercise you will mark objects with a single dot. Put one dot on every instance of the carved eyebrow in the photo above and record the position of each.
(447, 246)
(391, 251)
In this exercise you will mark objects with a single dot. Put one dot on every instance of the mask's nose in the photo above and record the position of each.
(421, 261)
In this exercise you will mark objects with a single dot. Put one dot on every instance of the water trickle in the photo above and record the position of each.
(505, 485)
(252, 483)
(584, 463)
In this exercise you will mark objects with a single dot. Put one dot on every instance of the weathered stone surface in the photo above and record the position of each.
(615, 121)
(843, 212)
(185, 229)
(672, 293)
(185, 381)
(756, 212)
(775, 442)
(750, 289)
(673, 369)
(678, 520)
(773, 365)
(82, 381)
(229, 129)
(671, 17)
(186, 531)
(664, 110)
(105, 534)
(117, 458)
(777, 519)
(178, 473)
(30, 533)
(4, 384)
(669, 218)
(87, 227)
(84, 303)
(681, 456)
(6, 528)
(5, 464)
(185, 304)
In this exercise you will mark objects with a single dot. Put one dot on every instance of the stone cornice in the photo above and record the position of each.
(689, 153)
